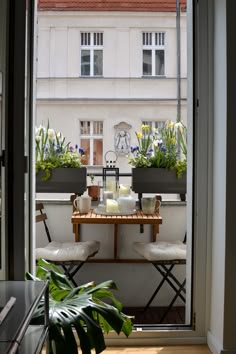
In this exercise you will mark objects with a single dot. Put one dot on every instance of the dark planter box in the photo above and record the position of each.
(157, 180)
(63, 180)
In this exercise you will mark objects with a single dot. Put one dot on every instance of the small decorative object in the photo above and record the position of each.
(122, 138)
(110, 159)
(126, 203)
(111, 180)
(112, 206)
(58, 165)
(124, 190)
(93, 189)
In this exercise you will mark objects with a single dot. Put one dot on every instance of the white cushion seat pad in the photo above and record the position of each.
(68, 251)
(161, 250)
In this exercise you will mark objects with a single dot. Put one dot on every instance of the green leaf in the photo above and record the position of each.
(82, 308)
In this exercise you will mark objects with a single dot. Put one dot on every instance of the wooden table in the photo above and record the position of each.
(138, 218)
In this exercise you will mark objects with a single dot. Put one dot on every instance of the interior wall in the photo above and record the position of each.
(230, 259)
(221, 335)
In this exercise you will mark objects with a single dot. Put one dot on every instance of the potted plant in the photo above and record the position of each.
(58, 165)
(93, 189)
(160, 159)
(78, 312)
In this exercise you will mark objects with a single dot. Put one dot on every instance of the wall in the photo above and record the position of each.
(221, 336)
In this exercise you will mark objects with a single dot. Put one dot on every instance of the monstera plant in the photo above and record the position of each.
(79, 311)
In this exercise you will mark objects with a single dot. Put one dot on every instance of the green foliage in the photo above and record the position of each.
(81, 310)
(164, 148)
(53, 152)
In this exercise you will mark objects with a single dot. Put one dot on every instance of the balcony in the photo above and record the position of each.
(136, 279)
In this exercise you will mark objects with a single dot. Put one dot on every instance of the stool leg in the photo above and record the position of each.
(170, 275)
(165, 277)
(173, 301)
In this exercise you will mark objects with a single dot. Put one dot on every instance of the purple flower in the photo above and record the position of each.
(134, 148)
(81, 151)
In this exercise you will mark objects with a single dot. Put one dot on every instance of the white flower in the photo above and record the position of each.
(39, 130)
(60, 136)
(179, 126)
(38, 138)
(51, 134)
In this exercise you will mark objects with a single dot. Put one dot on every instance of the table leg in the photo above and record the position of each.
(115, 240)
(155, 232)
(76, 230)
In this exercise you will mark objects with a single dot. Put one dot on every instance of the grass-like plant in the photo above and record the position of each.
(52, 151)
(161, 148)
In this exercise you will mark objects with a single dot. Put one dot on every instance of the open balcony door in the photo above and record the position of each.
(16, 112)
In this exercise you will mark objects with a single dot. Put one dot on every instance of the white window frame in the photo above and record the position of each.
(91, 138)
(153, 45)
(199, 214)
(91, 47)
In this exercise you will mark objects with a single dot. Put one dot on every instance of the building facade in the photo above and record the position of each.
(104, 68)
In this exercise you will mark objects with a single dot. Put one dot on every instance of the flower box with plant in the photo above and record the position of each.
(160, 159)
(58, 165)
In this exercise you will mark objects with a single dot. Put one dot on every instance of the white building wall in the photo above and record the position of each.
(122, 94)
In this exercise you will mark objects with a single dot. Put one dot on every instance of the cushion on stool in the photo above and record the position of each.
(160, 250)
(68, 251)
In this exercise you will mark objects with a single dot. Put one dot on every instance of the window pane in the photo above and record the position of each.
(98, 128)
(84, 128)
(98, 153)
(159, 59)
(85, 62)
(85, 144)
(147, 62)
(98, 57)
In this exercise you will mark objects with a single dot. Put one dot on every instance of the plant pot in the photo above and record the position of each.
(63, 180)
(94, 192)
(157, 180)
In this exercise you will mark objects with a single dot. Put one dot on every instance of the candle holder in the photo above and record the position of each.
(110, 181)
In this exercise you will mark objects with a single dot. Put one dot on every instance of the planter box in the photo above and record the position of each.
(63, 180)
(157, 180)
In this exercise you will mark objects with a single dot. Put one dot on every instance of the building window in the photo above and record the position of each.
(155, 124)
(153, 53)
(91, 53)
(91, 140)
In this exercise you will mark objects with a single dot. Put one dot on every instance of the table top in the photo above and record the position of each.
(27, 294)
(137, 218)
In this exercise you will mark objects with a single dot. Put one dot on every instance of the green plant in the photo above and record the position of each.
(92, 178)
(161, 148)
(53, 152)
(79, 310)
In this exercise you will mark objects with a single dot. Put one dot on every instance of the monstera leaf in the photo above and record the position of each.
(79, 310)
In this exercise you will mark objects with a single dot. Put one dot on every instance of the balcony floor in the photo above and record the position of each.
(153, 315)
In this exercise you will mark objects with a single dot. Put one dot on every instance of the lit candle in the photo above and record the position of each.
(124, 190)
(107, 195)
(112, 206)
(112, 186)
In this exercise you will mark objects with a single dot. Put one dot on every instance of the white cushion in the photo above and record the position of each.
(160, 250)
(68, 251)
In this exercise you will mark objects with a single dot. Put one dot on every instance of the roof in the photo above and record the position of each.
(110, 5)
